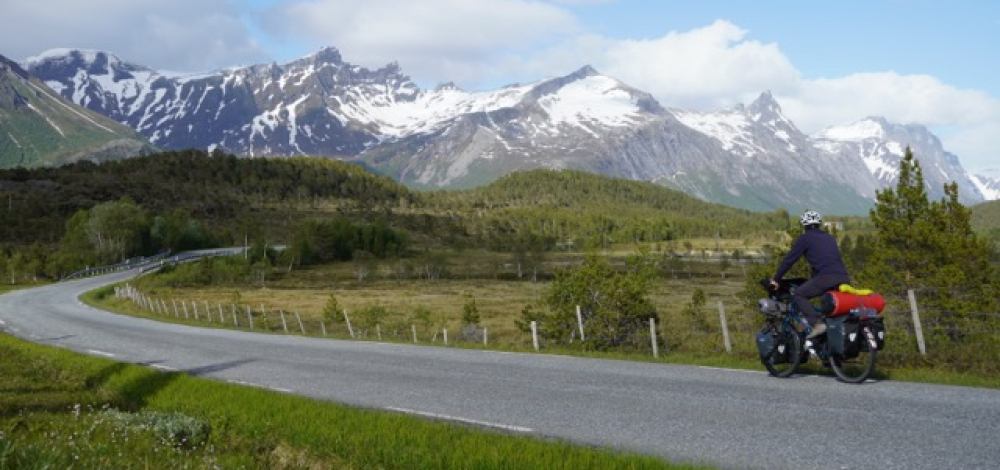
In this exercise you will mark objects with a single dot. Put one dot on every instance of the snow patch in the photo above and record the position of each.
(864, 129)
(988, 187)
(596, 99)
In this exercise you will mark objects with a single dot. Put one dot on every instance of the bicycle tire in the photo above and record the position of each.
(786, 355)
(856, 370)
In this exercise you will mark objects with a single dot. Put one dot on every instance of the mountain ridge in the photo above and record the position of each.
(40, 127)
(748, 156)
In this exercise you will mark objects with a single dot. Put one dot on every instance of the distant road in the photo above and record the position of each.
(728, 418)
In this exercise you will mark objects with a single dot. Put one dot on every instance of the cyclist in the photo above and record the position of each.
(828, 270)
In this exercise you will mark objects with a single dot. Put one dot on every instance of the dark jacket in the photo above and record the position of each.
(820, 250)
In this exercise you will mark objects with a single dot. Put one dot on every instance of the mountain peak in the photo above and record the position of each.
(328, 55)
(11, 66)
(765, 105)
(585, 71)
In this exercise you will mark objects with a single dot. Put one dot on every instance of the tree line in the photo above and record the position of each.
(57, 220)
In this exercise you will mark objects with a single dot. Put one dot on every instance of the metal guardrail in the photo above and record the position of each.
(152, 263)
(123, 266)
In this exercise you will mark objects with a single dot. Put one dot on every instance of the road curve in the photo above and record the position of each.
(727, 418)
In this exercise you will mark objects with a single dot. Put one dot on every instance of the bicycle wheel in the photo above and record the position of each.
(856, 370)
(785, 357)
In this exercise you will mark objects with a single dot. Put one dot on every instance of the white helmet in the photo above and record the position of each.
(811, 218)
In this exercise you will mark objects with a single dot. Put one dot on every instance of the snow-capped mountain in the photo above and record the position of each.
(40, 128)
(882, 146)
(752, 157)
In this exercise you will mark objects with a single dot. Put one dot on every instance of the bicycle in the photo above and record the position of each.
(849, 346)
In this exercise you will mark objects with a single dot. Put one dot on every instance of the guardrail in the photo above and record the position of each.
(152, 263)
(123, 266)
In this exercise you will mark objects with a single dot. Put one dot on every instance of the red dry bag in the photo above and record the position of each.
(836, 303)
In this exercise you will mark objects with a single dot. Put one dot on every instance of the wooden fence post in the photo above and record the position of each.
(917, 327)
(348, 321)
(301, 326)
(534, 334)
(652, 337)
(414, 329)
(579, 322)
(725, 328)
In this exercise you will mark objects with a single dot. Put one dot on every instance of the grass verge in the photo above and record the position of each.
(59, 409)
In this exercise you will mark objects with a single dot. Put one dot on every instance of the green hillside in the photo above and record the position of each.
(231, 199)
(40, 128)
(986, 219)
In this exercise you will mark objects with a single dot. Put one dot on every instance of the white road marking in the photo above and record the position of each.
(506, 427)
(161, 367)
(100, 353)
(282, 390)
(732, 370)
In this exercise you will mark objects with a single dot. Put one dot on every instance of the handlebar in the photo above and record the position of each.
(785, 287)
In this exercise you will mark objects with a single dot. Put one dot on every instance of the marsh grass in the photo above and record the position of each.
(100, 414)
(499, 297)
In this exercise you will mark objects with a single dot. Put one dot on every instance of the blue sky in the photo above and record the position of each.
(826, 62)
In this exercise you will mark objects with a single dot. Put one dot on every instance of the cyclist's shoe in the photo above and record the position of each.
(817, 329)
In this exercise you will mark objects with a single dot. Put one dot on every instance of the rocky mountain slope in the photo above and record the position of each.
(40, 128)
(749, 156)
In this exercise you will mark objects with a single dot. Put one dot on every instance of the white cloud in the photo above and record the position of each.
(977, 147)
(183, 35)
(431, 39)
(899, 98)
(706, 68)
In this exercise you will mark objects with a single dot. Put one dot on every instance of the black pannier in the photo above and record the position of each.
(767, 345)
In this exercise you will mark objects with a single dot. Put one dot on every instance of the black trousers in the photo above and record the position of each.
(815, 287)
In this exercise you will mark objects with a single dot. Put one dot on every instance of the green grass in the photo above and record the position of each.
(59, 409)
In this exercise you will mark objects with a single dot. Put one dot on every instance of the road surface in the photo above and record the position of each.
(726, 418)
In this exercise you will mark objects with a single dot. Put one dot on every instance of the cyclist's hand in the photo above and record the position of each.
(774, 284)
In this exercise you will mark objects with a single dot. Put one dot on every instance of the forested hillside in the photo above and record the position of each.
(191, 199)
(986, 219)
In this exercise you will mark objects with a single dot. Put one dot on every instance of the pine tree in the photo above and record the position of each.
(929, 247)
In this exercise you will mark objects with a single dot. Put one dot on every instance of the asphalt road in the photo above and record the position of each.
(727, 418)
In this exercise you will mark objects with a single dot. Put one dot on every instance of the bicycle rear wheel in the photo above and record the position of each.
(784, 358)
(856, 370)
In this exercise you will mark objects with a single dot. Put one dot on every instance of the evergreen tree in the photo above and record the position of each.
(929, 247)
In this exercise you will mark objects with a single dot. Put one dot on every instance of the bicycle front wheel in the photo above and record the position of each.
(786, 354)
(856, 370)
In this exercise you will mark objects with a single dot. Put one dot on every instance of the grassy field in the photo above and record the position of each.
(499, 298)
